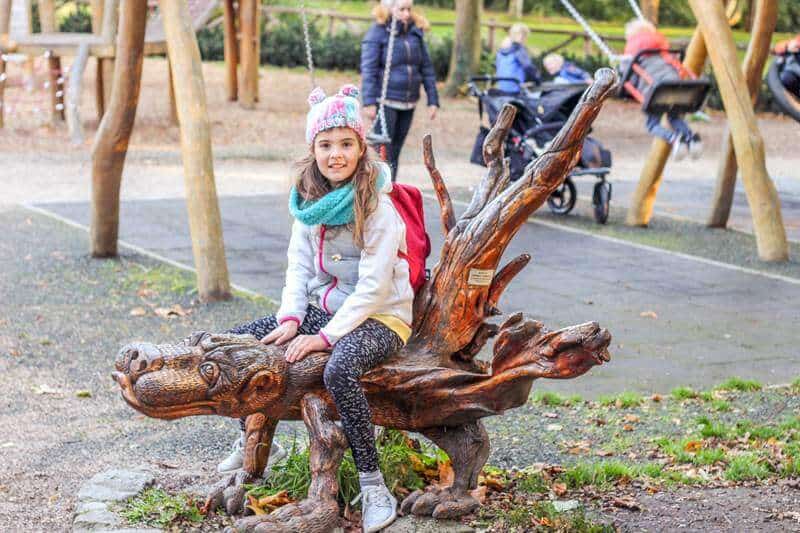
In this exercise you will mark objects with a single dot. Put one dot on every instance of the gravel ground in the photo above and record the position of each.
(63, 319)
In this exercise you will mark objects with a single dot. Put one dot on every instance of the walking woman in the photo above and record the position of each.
(410, 67)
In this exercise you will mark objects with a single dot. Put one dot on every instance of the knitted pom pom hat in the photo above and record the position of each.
(341, 110)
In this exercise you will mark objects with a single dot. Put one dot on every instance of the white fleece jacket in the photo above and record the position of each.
(325, 268)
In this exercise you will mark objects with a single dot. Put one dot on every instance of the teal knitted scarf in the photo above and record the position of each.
(333, 209)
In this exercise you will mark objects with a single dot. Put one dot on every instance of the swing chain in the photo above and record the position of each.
(612, 57)
(636, 10)
(385, 82)
(307, 38)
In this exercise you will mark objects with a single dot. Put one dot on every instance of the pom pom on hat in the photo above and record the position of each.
(349, 90)
(316, 96)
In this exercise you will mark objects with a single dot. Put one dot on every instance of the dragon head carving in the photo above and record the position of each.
(228, 375)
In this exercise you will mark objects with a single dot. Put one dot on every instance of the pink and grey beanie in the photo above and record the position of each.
(341, 110)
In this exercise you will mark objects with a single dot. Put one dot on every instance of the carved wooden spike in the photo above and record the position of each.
(502, 279)
(452, 305)
(448, 218)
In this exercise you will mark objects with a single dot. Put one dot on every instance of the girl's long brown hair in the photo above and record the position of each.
(312, 185)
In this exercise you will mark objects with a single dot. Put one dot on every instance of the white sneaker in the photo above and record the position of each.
(679, 149)
(378, 508)
(235, 460)
(695, 147)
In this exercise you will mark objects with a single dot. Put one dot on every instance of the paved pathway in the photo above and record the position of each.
(675, 321)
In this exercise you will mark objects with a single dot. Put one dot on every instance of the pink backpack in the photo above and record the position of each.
(408, 202)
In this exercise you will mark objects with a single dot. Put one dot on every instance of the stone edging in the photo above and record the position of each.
(92, 511)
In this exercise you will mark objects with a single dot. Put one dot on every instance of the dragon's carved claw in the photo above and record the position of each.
(445, 503)
(229, 493)
(310, 515)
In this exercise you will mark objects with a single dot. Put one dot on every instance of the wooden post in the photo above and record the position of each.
(231, 49)
(114, 133)
(105, 65)
(96, 7)
(248, 13)
(587, 45)
(492, 28)
(748, 143)
(173, 110)
(73, 95)
(763, 20)
(55, 83)
(47, 16)
(2, 89)
(205, 223)
(641, 209)
(650, 10)
(5, 17)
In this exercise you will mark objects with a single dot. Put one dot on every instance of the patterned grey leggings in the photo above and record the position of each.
(357, 352)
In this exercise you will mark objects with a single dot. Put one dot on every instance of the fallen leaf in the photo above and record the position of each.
(144, 292)
(479, 494)
(544, 521)
(554, 427)
(627, 427)
(416, 463)
(168, 312)
(648, 314)
(604, 453)
(83, 394)
(273, 501)
(626, 502)
(138, 311)
(45, 389)
(253, 506)
(550, 415)
(656, 397)
(446, 474)
(693, 446)
(559, 489)
(631, 418)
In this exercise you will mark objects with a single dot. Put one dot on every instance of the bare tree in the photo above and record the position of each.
(466, 45)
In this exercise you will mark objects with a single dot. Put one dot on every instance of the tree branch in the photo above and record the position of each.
(501, 281)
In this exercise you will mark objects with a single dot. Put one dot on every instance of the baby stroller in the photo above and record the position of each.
(541, 112)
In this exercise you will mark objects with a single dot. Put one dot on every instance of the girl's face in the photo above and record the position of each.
(337, 152)
(402, 10)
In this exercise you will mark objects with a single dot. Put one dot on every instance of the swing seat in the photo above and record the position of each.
(685, 95)
(377, 139)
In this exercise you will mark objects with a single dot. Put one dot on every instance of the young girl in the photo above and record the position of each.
(347, 290)
(642, 35)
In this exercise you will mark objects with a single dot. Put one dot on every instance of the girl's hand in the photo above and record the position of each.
(432, 111)
(282, 334)
(369, 112)
(303, 345)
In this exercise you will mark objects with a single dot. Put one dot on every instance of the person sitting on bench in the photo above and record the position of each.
(642, 35)
(790, 75)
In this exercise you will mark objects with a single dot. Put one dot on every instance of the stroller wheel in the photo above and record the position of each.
(562, 200)
(600, 200)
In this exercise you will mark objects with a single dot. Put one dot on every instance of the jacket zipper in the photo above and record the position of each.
(324, 301)
(408, 65)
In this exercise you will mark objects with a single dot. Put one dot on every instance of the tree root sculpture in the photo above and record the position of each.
(434, 385)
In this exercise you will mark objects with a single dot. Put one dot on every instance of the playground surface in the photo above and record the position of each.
(677, 319)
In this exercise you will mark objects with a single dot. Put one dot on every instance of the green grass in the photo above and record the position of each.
(155, 507)
(599, 473)
(746, 427)
(796, 385)
(161, 279)
(709, 428)
(746, 466)
(624, 400)
(395, 454)
(532, 483)
(555, 399)
(739, 384)
(683, 393)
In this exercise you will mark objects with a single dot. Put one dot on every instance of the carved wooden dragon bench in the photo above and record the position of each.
(434, 386)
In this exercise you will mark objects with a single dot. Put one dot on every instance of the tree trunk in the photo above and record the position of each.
(114, 133)
(231, 50)
(641, 209)
(761, 194)
(764, 20)
(205, 223)
(515, 8)
(466, 45)
(47, 16)
(248, 46)
(650, 10)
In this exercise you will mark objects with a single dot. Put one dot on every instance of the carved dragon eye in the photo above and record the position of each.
(209, 372)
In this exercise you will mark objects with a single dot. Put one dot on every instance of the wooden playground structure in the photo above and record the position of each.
(122, 60)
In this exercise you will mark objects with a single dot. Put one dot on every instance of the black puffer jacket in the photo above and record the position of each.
(411, 65)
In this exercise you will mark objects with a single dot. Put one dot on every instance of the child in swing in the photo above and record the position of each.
(642, 35)
(347, 290)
